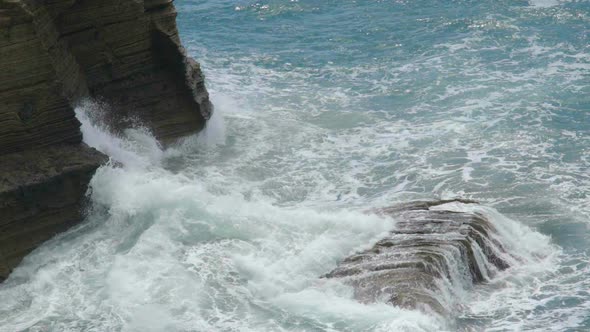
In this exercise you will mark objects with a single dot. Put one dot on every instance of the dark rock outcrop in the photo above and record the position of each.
(430, 252)
(130, 55)
(55, 53)
(41, 194)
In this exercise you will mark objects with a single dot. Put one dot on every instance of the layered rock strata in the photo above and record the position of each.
(55, 53)
(430, 253)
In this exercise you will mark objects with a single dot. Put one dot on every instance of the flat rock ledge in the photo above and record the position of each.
(41, 194)
(430, 253)
(54, 55)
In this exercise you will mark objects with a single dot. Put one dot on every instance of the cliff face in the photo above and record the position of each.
(130, 56)
(54, 53)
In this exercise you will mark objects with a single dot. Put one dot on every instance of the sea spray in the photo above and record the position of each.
(159, 251)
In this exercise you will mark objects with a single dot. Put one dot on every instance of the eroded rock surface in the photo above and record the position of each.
(127, 55)
(430, 253)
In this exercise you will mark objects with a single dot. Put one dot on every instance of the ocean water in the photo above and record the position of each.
(324, 110)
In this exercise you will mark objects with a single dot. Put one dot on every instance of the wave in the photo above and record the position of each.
(165, 248)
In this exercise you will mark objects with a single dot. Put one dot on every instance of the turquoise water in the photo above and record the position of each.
(325, 109)
(393, 100)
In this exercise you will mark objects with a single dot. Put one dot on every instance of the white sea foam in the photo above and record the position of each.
(171, 254)
(544, 3)
(136, 147)
(160, 251)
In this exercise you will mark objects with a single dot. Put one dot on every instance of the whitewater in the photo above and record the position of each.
(325, 110)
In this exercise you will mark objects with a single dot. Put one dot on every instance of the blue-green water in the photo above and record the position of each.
(393, 100)
(325, 109)
(489, 97)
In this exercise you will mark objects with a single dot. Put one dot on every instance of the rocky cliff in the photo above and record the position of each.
(55, 53)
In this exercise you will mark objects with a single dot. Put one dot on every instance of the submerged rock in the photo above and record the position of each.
(431, 252)
(55, 54)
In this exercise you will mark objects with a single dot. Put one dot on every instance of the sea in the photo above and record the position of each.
(325, 110)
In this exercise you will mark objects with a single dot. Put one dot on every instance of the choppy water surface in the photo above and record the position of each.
(325, 109)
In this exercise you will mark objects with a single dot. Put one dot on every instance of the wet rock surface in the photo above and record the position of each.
(431, 251)
(125, 54)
